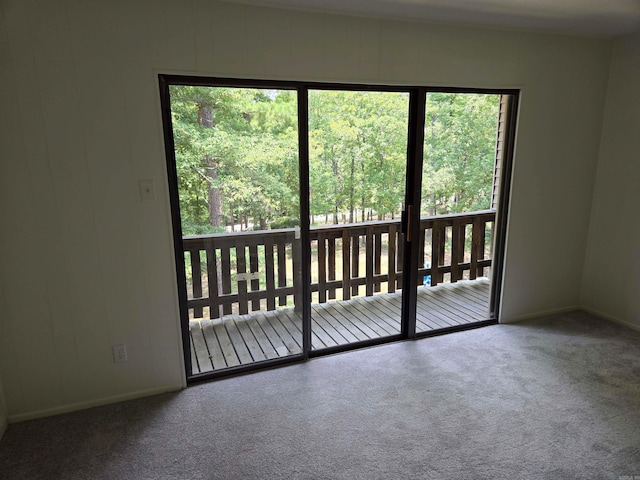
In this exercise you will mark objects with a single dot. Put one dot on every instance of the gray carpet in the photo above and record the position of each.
(555, 398)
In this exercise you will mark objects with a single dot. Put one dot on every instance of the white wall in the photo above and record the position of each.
(87, 265)
(3, 403)
(3, 411)
(611, 279)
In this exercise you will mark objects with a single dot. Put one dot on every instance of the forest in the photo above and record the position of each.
(237, 156)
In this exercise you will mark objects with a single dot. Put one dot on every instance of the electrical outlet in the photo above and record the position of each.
(120, 353)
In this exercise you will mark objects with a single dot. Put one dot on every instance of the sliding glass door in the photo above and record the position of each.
(462, 158)
(357, 170)
(312, 218)
(237, 173)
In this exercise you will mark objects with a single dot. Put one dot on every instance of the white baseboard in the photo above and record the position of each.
(47, 412)
(611, 318)
(541, 314)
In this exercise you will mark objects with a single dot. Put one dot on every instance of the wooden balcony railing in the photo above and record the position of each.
(250, 271)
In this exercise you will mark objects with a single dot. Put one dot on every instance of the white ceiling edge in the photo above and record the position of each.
(591, 18)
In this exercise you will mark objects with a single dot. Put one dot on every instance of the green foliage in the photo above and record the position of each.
(357, 151)
(459, 154)
(247, 155)
(237, 155)
(199, 229)
(285, 222)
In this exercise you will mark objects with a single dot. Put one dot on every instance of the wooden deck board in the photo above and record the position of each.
(238, 340)
(216, 357)
(344, 332)
(200, 346)
(291, 340)
(226, 345)
(242, 339)
(250, 340)
(276, 342)
(358, 329)
(261, 336)
(194, 360)
(325, 332)
(378, 325)
(434, 316)
(450, 311)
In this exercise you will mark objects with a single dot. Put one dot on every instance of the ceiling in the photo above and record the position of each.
(600, 18)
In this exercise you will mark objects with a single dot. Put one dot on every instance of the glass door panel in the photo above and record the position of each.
(236, 158)
(463, 140)
(357, 165)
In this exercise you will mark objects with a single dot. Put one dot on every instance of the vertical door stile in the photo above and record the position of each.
(415, 148)
(305, 237)
(500, 224)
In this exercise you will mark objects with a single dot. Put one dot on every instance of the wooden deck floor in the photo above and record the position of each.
(241, 339)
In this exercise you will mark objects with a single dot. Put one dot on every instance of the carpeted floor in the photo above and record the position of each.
(555, 398)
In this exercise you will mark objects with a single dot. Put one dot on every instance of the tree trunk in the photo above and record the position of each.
(335, 189)
(215, 199)
(352, 190)
(362, 196)
(432, 196)
(205, 119)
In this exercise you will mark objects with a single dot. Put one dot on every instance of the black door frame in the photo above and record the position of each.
(410, 221)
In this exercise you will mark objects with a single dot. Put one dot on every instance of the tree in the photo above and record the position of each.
(460, 139)
(236, 155)
(358, 152)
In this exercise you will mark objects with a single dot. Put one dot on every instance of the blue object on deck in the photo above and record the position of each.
(426, 280)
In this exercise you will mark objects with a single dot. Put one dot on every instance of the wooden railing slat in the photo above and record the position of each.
(322, 270)
(253, 268)
(475, 248)
(482, 233)
(296, 256)
(243, 304)
(369, 262)
(225, 261)
(331, 244)
(391, 260)
(196, 279)
(269, 272)
(252, 291)
(457, 249)
(421, 244)
(212, 280)
(441, 248)
(355, 262)
(282, 271)
(437, 234)
(377, 258)
(346, 270)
